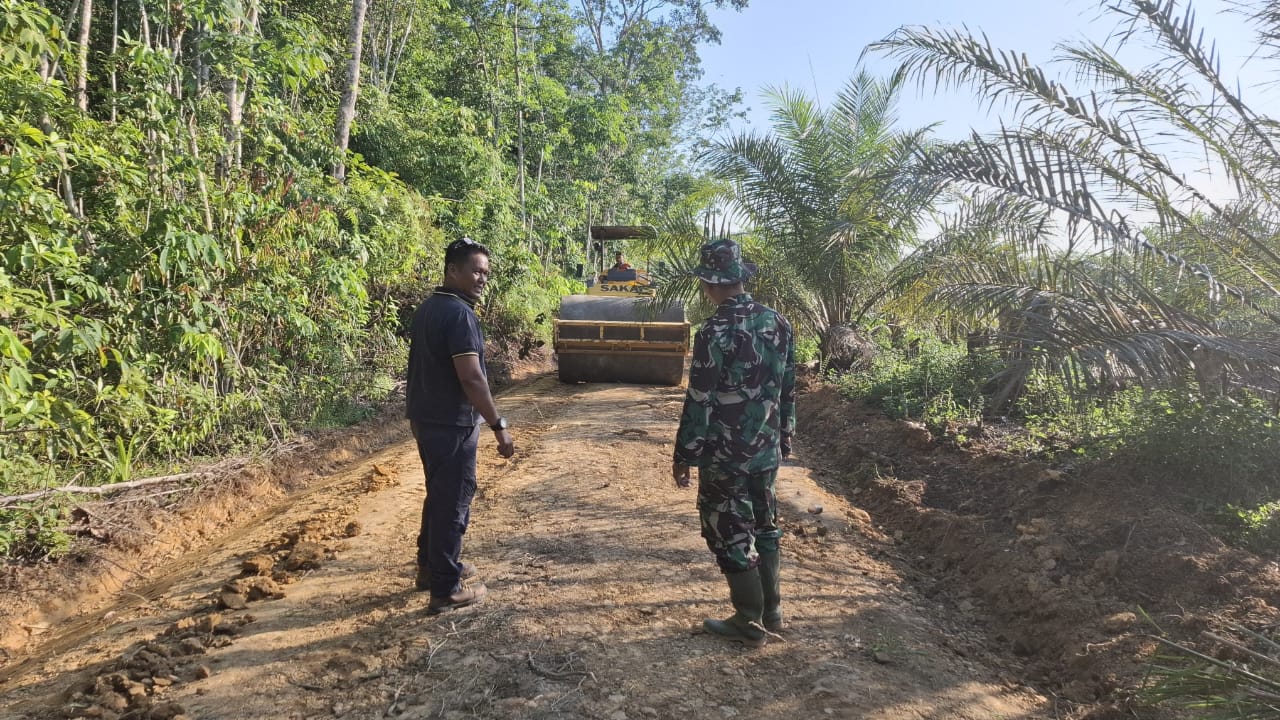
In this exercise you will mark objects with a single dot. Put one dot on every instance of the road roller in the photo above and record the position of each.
(618, 332)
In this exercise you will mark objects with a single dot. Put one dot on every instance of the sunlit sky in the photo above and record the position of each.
(815, 45)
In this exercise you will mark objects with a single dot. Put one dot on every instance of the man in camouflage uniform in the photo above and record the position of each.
(738, 418)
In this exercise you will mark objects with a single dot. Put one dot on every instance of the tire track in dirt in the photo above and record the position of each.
(598, 582)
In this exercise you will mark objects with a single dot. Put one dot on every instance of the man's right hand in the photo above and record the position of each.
(680, 473)
(506, 444)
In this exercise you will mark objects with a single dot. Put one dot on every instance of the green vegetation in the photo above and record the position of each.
(1213, 456)
(1151, 343)
(938, 383)
(1220, 450)
(1134, 311)
(1101, 298)
(831, 195)
(1257, 528)
(215, 218)
(27, 532)
(1243, 684)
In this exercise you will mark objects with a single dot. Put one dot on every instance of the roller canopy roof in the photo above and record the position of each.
(622, 232)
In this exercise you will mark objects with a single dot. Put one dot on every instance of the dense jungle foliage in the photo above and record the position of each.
(215, 215)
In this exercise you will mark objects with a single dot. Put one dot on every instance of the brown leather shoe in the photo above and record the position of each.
(462, 598)
(422, 583)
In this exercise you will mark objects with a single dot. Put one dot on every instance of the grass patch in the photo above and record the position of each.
(937, 383)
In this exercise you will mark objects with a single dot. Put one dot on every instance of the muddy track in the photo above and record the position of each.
(155, 589)
(598, 582)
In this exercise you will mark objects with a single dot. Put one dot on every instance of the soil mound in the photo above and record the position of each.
(1058, 567)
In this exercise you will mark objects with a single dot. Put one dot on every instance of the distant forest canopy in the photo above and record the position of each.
(214, 215)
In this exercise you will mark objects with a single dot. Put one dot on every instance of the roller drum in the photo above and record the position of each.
(650, 360)
(618, 309)
(642, 370)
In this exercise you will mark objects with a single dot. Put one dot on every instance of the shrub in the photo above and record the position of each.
(525, 298)
(807, 348)
(1256, 528)
(1218, 450)
(1057, 420)
(932, 381)
(1215, 456)
(33, 533)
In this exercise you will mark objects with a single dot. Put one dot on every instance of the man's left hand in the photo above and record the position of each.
(680, 473)
(506, 444)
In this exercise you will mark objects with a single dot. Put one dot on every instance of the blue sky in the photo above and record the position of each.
(815, 44)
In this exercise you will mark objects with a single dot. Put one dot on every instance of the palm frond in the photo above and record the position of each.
(951, 59)
(1264, 18)
(1178, 32)
(1058, 177)
(1049, 310)
(832, 193)
(1081, 154)
(1216, 688)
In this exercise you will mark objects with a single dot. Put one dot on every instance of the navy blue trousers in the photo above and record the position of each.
(448, 456)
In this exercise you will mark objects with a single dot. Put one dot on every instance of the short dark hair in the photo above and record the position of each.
(461, 250)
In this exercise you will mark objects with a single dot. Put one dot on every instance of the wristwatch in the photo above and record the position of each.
(500, 425)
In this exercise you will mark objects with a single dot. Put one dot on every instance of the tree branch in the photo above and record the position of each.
(7, 500)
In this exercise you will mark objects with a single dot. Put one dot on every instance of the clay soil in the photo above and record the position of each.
(920, 582)
(1069, 572)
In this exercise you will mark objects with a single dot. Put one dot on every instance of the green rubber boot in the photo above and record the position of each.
(769, 582)
(747, 597)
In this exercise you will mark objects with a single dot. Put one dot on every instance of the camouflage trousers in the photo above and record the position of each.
(739, 516)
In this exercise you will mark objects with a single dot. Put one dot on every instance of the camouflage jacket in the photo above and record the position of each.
(741, 398)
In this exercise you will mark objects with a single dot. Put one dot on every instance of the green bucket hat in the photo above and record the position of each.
(722, 263)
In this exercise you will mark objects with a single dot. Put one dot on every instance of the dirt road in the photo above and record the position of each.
(598, 582)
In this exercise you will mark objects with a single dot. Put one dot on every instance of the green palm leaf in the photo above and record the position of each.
(829, 196)
(1094, 236)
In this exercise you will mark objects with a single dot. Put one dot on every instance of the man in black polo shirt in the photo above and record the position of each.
(448, 394)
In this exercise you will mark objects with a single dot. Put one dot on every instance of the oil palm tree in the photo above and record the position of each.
(1149, 274)
(829, 197)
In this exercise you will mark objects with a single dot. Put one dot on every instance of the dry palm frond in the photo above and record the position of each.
(1246, 688)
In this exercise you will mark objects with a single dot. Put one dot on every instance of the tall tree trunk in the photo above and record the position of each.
(236, 89)
(351, 89)
(382, 48)
(515, 41)
(115, 47)
(144, 24)
(144, 28)
(65, 190)
(198, 61)
(82, 69)
(201, 185)
(177, 33)
(176, 88)
(231, 132)
(491, 76)
(586, 239)
(404, 41)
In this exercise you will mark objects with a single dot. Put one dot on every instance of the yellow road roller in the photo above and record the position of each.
(618, 333)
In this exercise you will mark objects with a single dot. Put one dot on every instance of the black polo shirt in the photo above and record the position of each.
(444, 327)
